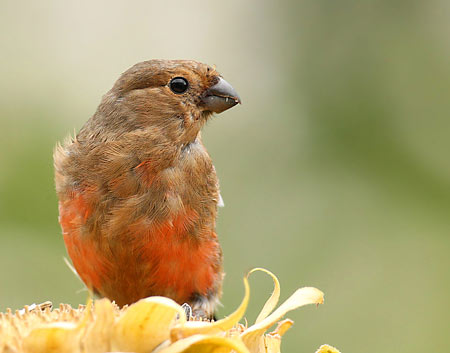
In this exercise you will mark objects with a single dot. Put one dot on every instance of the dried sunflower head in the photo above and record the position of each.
(154, 324)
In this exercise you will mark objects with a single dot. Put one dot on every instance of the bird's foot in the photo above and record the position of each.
(188, 310)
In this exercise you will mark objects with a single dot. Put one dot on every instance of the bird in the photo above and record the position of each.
(138, 192)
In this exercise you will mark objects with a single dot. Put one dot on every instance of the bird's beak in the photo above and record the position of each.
(220, 97)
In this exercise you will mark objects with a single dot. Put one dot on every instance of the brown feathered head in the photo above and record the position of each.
(170, 97)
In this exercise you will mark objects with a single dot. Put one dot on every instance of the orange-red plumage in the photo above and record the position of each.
(138, 192)
(73, 214)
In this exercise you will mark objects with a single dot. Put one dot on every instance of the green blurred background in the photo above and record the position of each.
(335, 171)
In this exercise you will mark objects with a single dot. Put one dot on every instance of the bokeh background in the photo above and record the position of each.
(335, 171)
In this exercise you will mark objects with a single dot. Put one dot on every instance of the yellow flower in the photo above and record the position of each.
(327, 349)
(152, 325)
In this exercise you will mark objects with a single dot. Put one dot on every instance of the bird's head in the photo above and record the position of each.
(169, 97)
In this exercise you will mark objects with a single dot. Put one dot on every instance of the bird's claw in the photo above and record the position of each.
(188, 310)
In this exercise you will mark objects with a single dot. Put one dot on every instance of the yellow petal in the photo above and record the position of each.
(282, 327)
(252, 337)
(272, 302)
(146, 324)
(327, 349)
(272, 344)
(272, 341)
(201, 327)
(205, 344)
(98, 334)
(61, 337)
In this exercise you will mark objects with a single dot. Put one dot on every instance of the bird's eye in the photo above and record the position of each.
(179, 85)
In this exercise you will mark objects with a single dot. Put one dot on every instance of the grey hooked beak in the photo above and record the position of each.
(220, 97)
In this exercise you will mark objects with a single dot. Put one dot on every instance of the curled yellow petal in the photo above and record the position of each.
(282, 327)
(201, 327)
(272, 302)
(272, 344)
(145, 324)
(272, 341)
(252, 337)
(327, 349)
(61, 337)
(205, 344)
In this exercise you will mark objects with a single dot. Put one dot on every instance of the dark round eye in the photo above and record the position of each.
(179, 85)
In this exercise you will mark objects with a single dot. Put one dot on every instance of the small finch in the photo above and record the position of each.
(138, 193)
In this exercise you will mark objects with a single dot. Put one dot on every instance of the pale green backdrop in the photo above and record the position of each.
(335, 171)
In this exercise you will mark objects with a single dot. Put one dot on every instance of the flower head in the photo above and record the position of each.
(154, 324)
